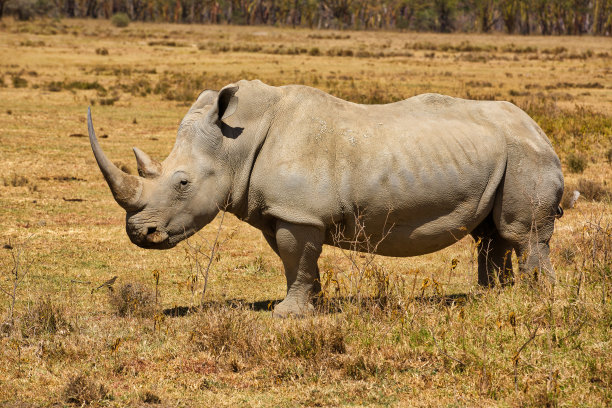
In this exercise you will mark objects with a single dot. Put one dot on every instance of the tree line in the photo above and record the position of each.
(572, 17)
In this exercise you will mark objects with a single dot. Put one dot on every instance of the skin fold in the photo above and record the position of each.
(305, 167)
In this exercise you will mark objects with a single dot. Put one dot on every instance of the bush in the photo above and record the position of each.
(45, 317)
(576, 162)
(82, 390)
(19, 82)
(133, 299)
(120, 20)
(149, 397)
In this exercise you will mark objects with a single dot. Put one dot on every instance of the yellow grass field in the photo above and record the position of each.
(400, 332)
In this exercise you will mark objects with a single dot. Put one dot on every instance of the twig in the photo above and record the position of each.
(19, 271)
(516, 356)
(211, 258)
(443, 352)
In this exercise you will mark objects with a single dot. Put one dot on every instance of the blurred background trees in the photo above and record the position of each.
(573, 17)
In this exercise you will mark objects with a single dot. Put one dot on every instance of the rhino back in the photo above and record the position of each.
(426, 168)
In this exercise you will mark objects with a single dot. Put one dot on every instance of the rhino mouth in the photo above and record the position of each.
(154, 240)
(163, 240)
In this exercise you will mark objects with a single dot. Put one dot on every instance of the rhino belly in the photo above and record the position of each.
(415, 204)
(408, 231)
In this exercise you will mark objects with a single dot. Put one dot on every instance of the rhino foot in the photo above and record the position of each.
(289, 307)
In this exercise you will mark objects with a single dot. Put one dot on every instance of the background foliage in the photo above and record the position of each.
(573, 17)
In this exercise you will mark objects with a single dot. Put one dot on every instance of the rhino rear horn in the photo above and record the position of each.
(125, 188)
(147, 167)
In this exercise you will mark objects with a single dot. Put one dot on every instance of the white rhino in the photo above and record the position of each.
(300, 164)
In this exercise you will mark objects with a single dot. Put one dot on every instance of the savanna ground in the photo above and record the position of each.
(398, 332)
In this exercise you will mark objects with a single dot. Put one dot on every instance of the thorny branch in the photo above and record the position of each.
(196, 251)
(360, 242)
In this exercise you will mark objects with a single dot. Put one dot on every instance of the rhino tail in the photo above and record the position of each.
(559, 212)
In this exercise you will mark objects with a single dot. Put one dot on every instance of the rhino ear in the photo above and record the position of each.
(225, 105)
(206, 97)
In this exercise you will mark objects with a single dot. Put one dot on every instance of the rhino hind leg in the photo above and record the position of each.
(494, 255)
(528, 226)
(534, 259)
(299, 247)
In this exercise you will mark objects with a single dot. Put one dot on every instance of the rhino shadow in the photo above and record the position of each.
(257, 306)
(328, 306)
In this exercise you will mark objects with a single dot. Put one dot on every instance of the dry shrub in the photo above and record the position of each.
(360, 367)
(592, 190)
(149, 397)
(15, 181)
(20, 82)
(82, 390)
(44, 317)
(567, 254)
(133, 299)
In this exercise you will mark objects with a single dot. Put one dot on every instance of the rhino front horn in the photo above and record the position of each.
(125, 188)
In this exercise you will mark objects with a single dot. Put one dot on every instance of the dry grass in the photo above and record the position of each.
(400, 332)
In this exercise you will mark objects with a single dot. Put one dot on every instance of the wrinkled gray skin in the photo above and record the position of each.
(300, 165)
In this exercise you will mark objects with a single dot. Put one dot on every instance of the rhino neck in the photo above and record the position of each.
(238, 197)
(241, 152)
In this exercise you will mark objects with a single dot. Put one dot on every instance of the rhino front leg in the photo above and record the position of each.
(299, 247)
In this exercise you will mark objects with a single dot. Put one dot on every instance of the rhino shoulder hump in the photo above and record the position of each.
(434, 99)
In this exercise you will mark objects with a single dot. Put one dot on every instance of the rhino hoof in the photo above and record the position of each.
(288, 308)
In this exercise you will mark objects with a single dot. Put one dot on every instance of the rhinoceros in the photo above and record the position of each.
(301, 165)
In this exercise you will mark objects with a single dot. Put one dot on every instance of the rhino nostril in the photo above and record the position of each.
(151, 230)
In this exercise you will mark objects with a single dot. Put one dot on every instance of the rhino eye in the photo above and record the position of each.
(180, 181)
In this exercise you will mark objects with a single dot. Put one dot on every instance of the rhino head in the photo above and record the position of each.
(170, 201)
